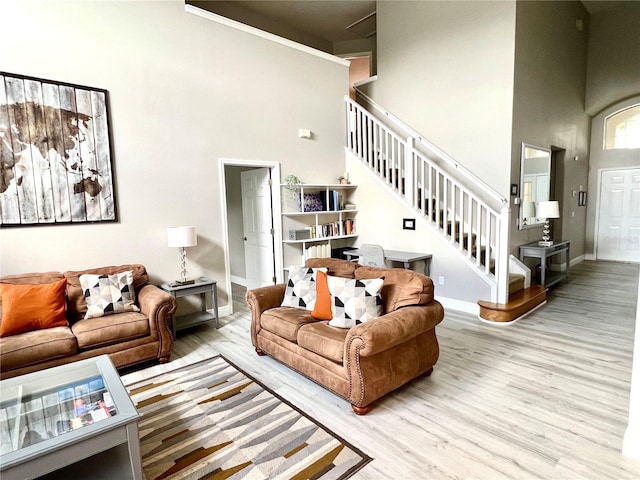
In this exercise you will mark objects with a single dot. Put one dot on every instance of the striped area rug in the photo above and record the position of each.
(210, 420)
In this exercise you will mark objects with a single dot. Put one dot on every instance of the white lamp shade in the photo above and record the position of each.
(549, 209)
(182, 237)
(528, 209)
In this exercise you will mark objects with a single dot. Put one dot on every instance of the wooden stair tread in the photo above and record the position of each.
(519, 303)
(516, 283)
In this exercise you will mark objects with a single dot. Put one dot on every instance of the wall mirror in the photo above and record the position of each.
(535, 182)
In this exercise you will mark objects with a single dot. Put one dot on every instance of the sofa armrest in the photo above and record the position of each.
(158, 306)
(261, 299)
(393, 328)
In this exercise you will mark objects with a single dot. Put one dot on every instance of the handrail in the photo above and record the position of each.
(447, 158)
(479, 232)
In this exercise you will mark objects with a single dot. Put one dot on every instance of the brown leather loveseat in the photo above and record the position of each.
(368, 360)
(128, 338)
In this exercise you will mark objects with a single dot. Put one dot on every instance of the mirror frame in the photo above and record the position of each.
(522, 222)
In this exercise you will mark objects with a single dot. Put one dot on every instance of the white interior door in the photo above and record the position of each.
(258, 230)
(619, 216)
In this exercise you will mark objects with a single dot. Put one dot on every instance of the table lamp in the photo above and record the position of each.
(182, 237)
(547, 210)
(528, 211)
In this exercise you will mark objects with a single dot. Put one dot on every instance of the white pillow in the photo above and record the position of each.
(354, 301)
(301, 287)
(108, 294)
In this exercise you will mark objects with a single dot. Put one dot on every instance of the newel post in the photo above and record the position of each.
(409, 169)
(502, 256)
(351, 125)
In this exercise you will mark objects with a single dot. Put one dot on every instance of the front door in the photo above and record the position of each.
(258, 228)
(619, 216)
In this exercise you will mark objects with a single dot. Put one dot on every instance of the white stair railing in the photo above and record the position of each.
(477, 231)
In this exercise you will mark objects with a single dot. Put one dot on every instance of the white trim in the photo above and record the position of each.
(577, 260)
(277, 220)
(239, 280)
(265, 35)
(366, 81)
(459, 305)
(517, 267)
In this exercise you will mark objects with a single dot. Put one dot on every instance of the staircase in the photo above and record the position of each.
(472, 216)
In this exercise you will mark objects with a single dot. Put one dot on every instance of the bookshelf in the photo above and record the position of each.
(316, 218)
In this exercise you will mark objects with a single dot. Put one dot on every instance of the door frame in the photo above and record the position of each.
(276, 216)
(599, 205)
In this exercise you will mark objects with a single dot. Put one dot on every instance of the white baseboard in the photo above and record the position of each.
(459, 305)
(223, 311)
(239, 280)
(577, 260)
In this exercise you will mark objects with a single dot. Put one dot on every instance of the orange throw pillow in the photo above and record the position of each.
(32, 307)
(322, 309)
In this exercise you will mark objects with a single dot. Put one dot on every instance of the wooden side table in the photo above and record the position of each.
(543, 253)
(201, 286)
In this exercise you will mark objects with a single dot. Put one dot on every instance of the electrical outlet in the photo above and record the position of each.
(441, 280)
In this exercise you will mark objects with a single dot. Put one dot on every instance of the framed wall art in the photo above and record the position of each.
(55, 153)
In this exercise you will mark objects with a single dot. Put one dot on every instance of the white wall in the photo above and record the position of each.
(184, 92)
(446, 69)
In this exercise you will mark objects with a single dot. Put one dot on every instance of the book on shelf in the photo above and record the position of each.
(349, 206)
(349, 226)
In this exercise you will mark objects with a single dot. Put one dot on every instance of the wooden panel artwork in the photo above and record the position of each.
(55, 155)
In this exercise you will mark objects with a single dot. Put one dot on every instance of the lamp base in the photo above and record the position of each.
(545, 243)
(178, 283)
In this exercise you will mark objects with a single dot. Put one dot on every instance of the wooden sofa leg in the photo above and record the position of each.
(428, 372)
(361, 410)
(260, 352)
(164, 359)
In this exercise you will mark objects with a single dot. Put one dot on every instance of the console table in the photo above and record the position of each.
(200, 287)
(543, 253)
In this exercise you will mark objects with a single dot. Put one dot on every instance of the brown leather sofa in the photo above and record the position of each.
(367, 361)
(128, 338)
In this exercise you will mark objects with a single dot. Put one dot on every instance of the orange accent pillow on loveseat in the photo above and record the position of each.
(27, 307)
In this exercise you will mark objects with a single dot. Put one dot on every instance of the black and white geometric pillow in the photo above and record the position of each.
(300, 291)
(354, 301)
(108, 294)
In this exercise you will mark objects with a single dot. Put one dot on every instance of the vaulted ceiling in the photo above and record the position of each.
(324, 20)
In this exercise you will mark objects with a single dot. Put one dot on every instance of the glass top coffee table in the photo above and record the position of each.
(75, 420)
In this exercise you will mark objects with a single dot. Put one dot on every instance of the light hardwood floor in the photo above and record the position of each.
(544, 398)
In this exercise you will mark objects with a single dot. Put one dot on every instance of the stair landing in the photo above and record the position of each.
(520, 303)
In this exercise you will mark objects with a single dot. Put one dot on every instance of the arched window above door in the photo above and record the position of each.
(622, 129)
